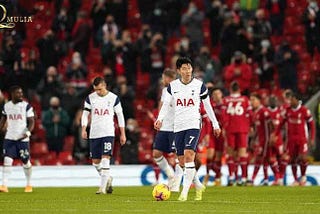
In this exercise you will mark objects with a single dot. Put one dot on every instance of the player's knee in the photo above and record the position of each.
(27, 164)
(156, 153)
(7, 161)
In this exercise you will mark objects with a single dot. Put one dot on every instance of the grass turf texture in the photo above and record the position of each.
(139, 200)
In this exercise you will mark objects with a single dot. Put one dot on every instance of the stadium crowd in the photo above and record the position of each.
(261, 44)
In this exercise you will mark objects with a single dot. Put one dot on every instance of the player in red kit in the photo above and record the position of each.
(298, 117)
(275, 148)
(260, 120)
(215, 145)
(236, 125)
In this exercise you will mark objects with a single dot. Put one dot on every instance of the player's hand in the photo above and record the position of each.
(157, 125)
(23, 137)
(311, 144)
(217, 132)
(123, 139)
(84, 134)
(273, 139)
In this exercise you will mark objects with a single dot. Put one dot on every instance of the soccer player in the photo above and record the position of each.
(101, 106)
(298, 117)
(236, 125)
(186, 94)
(275, 149)
(260, 121)
(19, 116)
(215, 146)
(163, 142)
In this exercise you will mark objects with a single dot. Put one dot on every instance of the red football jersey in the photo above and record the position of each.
(219, 110)
(260, 118)
(297, 120)
(276, 119)
(237, 114)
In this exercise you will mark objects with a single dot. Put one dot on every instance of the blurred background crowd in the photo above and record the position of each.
(266, 45)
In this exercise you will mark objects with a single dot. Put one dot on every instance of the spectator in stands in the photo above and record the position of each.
(158, 18)
(210, 66)
(238, 71)
(143, 43)
(182, 47)
(311, 20)
(107, 34)
(118, 9)
(49, 49)
(173, 18)
(55, 120)
(154, 57)
(81, 34)
(71, 100)
(77, 73)
(276, 10)
(98, 13)
(109, 77)
(286, 60)
(146, 8)
(130, 55)
(129, 151)
(264, 57)
(126, 94)
(49, 86)
(215, 12)
(33, 70)
(62, 25)
(261, 27)
(229, 39)
(192, 19)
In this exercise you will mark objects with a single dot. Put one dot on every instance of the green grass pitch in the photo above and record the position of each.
(139, 200)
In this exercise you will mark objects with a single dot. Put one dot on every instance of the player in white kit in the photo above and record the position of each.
(101, 106)
(19, 116)
(163, 142)
(186, 94)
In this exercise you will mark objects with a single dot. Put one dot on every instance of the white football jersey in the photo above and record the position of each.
(167, 123)
(102, 111)
(186, 100)
(17, 115)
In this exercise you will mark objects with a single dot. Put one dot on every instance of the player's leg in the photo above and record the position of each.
(303, 162)
(27, 166)
(265, 172)
(10, 152)
(178, 174)
(163, 143)
(231, 158)
(209, 163)
(219, 148)
(243, 156)
(273, 162)
(190, 144)
(106, 179)
(196, 179)
(95, 154)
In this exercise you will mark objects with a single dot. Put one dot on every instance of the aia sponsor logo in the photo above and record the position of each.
(185, 102)
(101, 112)
(15, 116)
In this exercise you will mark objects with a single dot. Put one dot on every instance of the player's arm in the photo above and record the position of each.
(30, 122)
(311, 128)
(119, 112)
(164, 109)
(84, 118)
(3, 120)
